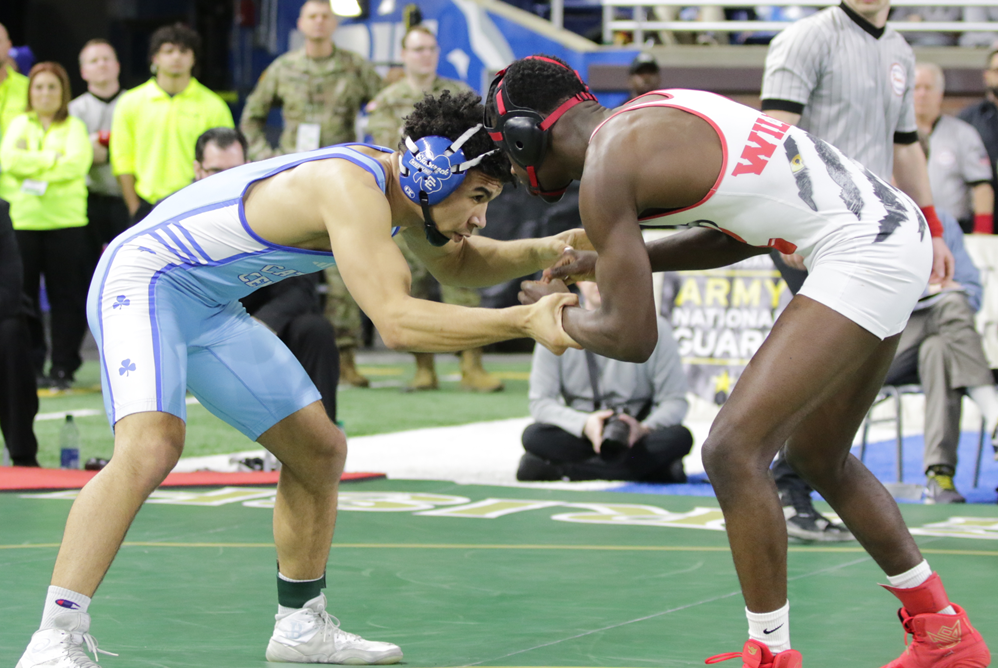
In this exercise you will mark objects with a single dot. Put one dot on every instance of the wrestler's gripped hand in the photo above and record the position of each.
(575, 238)
(552, 249)
(532, 292)
(573, 266)
(544, 322)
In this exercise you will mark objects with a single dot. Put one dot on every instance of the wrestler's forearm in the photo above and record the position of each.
(417, 325)
(483, 262)
(698, 248)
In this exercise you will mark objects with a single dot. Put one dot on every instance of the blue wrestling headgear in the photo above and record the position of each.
(431, 169)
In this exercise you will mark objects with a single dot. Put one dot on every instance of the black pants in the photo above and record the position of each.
(312, 339)
(18, 393)
(63, 257)
(648, 460)
(143, 211)
(108, 216)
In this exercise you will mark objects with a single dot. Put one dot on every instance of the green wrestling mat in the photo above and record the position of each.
(479, 576)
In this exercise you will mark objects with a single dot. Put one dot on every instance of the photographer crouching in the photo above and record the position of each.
(602, 419)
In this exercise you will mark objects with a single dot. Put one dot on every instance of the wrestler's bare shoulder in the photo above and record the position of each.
(291, 207)
(668, 157)
(649, 129)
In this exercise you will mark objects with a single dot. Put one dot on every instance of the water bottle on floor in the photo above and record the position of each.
(69, 445)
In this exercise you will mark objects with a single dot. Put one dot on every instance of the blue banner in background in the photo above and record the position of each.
(477, 38)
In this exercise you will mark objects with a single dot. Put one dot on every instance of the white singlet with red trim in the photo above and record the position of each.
(783, 188)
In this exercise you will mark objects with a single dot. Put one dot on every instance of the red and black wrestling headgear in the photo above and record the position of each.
(524, 134)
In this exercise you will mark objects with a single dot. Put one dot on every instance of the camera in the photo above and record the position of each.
(616, 437)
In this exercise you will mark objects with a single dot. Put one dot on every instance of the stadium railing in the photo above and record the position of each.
(639, 24)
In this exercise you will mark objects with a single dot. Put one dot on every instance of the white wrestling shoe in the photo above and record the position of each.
(63, 647)
(312, 635)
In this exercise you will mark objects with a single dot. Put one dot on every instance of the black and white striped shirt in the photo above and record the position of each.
(852, 84)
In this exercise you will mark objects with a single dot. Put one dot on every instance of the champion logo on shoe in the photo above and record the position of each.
(41, 645)
(752, 649)
(63, 603)
(945, 637)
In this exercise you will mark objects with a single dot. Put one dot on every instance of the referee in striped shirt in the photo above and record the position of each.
(847, 78)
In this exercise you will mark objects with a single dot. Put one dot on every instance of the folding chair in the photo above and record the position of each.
(894, 393)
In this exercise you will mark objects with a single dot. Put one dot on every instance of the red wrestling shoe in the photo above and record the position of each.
(938, 641)
(941, 641)
(756, 655)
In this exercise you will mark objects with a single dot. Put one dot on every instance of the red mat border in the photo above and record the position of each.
(24, 479)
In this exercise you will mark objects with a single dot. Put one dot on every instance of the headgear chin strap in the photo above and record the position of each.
(523, 133)
(431, 169)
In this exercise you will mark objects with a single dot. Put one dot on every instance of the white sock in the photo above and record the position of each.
(986, 398)
(914, 577)
(771, 628)
(59, 601)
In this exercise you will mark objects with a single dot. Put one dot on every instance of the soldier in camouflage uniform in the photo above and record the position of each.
(420, 55)
(320, 90)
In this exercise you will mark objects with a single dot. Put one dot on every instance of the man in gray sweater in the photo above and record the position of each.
(602, 419)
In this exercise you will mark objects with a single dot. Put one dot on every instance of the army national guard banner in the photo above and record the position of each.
(720, 317)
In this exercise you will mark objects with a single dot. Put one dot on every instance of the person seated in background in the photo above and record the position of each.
(290, 308)
(218, 149)
(598, 418)
(959, 168)
(941, 349)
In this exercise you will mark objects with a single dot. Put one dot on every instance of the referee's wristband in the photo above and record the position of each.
(935, 226)
(983, 223)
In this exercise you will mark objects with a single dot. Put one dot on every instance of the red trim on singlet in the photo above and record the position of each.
(732, 235)
(665, 103)
(783, 246)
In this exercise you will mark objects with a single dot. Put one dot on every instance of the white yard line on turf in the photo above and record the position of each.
(488, 452)
(87, 412)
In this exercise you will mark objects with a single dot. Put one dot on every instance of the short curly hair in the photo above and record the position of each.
(177, 34)
(540, 85)
(448, 115)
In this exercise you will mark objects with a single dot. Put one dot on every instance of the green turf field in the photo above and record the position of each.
(463, 575)
(362, 411)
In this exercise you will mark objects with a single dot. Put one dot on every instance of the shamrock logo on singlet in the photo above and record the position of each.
(126, 366)
(121, 301)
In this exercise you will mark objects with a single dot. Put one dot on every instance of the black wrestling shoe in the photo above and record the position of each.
(804, 522)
